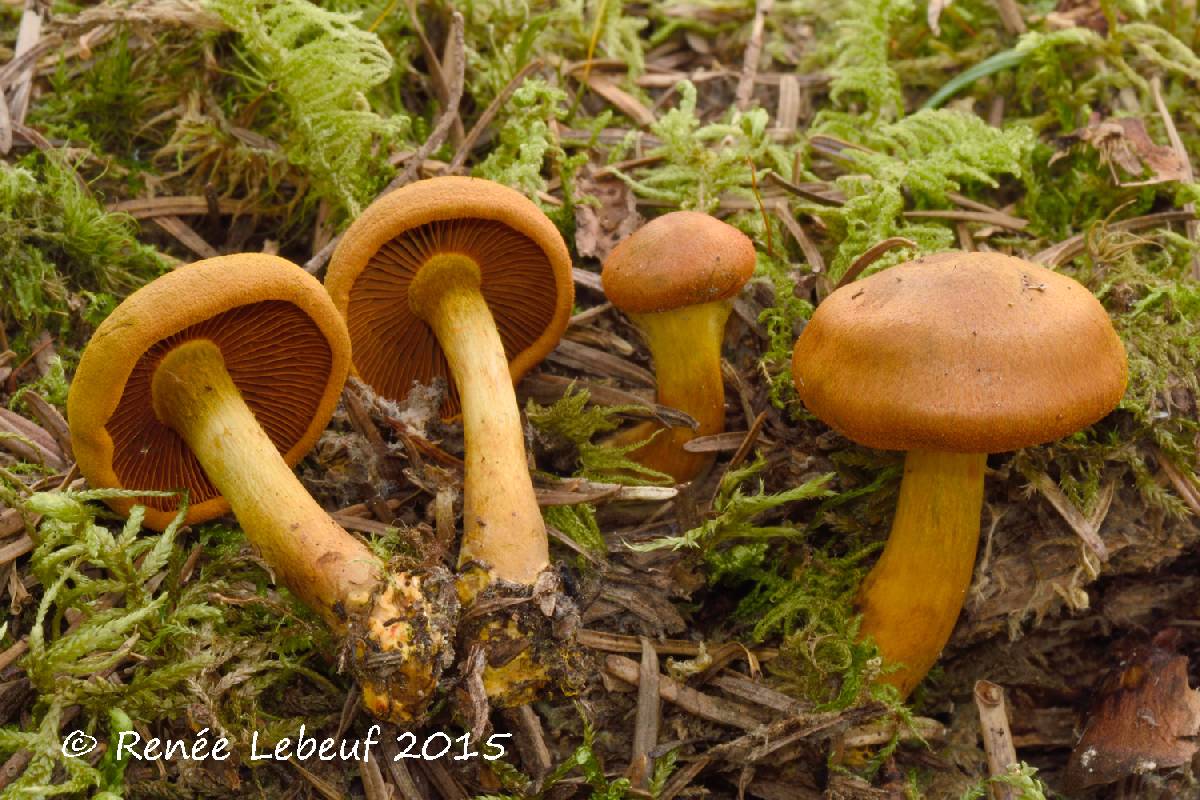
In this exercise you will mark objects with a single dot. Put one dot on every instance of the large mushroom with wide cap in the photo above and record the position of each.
(676, 278)
(468, 280)
(216, 379)
(950, 357)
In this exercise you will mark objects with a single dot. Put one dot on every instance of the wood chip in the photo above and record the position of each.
(646, 722)
(713, 709)
(997, 737)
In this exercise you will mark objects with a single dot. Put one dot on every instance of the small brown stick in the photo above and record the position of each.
(28, 35)
(489, 113)
(1193, 227)
(745, 88)
(649, 713)
(374, 786)
(1185, 483)
(178, 206)
(530, 740)
(402, 779)
(871, 256)
(321, 257)
(714, 709)
(449, 115)
(186, 235)
(997, 738)
(1010, 15)
(1064, 251)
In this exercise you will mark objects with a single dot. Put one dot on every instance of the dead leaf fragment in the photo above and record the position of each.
(1125, 143)
(933, 14)
(1146, 719)
(601, 225)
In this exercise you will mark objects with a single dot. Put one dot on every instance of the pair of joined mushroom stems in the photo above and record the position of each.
(329, 570)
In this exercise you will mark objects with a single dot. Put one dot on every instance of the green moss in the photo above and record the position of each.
(321, 66)
(702, 162)
(572, 421)
(925, 156)
(64, 256)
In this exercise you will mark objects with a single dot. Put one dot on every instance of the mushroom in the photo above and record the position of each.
(950, 357)
(216, 379)
(675, 278)
(466, 278)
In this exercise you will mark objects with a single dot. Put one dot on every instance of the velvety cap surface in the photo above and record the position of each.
(284, 345)
(960, 352)
(679, 259)
(524, 266)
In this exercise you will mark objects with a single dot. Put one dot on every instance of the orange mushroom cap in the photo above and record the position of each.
(524, 266)
(284, 346)
(960, 352)
(679, 259)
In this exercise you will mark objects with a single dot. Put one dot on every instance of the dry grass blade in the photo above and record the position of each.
(489, 114)
(180, 206)
(186, 235)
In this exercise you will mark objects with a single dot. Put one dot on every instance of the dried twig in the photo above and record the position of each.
(449, 114)
(997, 738)
(745, 88)
(1193, 226)
(645, 732)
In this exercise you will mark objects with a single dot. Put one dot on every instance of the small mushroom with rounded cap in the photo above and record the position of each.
(676, 277)
(950, 357)
(217, 378)
(467, 279)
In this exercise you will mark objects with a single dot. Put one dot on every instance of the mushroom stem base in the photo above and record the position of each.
(911, 600)
(685, 345)
(394, 634)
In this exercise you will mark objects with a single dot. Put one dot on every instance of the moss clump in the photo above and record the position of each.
(695, 172)
(571, 421)
(65, 258)
(320, 66)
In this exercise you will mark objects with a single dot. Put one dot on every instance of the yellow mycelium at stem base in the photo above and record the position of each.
(912, 598)
(330, 571)
(502, 523)
(685, 345)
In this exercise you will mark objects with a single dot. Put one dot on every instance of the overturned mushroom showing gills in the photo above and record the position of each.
(217, 378)
(465, 279)
(676, 278)
(951, 357)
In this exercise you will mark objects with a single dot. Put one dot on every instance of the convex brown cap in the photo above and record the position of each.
(960, 352)
(680, 259)
(284, 346)
(524, 266)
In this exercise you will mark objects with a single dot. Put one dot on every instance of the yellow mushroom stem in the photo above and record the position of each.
(328, 569)
(502, 523)
(913, 596)
(685, 345)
